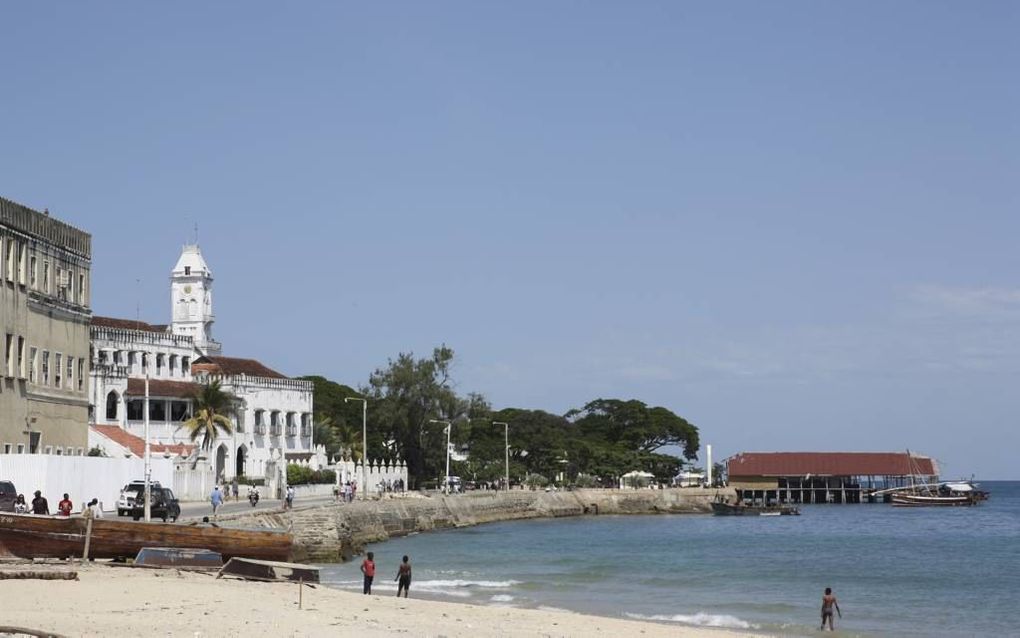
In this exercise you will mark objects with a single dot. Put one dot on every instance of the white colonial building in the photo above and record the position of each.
(273, 414)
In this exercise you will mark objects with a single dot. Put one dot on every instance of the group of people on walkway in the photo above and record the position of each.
(40, 505)
(345, 492)
(403, 578)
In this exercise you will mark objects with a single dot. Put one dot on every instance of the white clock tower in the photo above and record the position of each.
(191, 300)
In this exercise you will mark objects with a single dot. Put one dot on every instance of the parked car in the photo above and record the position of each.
(7, 496)
(131, 493)
(164, 505)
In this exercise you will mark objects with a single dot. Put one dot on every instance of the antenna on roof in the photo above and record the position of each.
(138, 300)
(196, 233)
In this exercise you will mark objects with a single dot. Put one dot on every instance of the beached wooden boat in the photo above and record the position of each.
(31, 536)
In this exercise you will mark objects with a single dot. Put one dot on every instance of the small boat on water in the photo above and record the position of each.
(724, 508)
(32, 536)
(921, 493)
(905, 499)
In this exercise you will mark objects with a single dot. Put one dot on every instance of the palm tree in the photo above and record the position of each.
(349, 439)
(212, 407)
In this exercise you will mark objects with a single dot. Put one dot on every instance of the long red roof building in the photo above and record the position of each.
(777, 464)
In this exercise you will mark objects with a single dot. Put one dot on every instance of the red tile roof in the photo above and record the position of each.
(162, 388)
(136, 444)
(125, 324)
(231, 366)
(829, 464)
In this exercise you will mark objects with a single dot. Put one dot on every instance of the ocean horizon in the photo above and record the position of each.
(895, 571)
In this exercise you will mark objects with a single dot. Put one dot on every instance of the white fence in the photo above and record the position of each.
(81, 477)
(378, 472)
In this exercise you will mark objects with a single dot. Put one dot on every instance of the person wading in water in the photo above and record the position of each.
(828, 602)
(403, 578)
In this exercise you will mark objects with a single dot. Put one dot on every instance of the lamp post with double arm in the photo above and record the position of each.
(446, 483)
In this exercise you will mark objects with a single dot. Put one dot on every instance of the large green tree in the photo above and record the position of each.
(403, 398)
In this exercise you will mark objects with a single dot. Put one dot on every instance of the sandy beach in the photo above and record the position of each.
(123, 601)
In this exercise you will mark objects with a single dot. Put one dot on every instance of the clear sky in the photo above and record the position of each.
(796, 224)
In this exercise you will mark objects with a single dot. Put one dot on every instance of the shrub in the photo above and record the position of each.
(302, 475)
(535, 480)
(586, 480)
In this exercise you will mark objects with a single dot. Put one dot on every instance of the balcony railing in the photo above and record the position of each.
(260, 428)
(274, 430)
(291, 430)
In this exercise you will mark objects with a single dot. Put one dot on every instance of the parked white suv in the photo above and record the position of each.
(132, 492)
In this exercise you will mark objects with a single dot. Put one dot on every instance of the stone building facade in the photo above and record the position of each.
(45, 269)
(272, 416)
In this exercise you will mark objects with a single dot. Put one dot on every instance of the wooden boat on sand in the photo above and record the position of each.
(31, 536)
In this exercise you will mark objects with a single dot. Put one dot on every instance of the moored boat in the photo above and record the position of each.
(934, 500)
(31, 536)
(723, 508)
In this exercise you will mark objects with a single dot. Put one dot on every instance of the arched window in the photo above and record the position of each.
(111, 406)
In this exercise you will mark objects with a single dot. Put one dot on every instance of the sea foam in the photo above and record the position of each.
(699, 619)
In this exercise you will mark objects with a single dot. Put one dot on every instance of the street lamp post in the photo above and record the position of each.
(148, 468)
(364, 443)
(446, 483)
(506, 448)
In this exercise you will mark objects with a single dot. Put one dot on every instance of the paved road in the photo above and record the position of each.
(198, 510)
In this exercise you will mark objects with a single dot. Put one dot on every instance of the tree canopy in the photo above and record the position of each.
(598, 442)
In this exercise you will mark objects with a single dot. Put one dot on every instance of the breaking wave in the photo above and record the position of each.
(699, 619)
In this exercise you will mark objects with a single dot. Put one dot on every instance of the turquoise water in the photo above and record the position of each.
(896, 571)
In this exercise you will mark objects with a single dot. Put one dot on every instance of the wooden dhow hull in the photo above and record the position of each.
(916, 500)
(31, 536)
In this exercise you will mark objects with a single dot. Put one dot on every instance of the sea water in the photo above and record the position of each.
(895, 571)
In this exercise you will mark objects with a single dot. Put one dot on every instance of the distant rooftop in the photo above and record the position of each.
(829, 464)
(42, 226)
(232, 366)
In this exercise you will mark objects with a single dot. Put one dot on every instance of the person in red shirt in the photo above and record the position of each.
(368, 569)
(65, 506)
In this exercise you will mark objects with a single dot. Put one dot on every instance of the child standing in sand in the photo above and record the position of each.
(368, 569)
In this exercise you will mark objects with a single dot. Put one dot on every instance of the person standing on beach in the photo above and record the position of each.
(368, 569)
(39, 504)
(403, 578)
(216, 498)
(828, 602)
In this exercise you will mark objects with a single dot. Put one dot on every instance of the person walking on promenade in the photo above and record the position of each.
(368, 569)
(403, 578)
(233, 489)
(39, 504)
(216, 498)
(65, 506)
(828, 602)
(289, 498)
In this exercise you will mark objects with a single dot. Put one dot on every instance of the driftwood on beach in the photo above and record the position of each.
(34, 575)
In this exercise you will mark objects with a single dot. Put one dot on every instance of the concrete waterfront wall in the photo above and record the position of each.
(333, 533)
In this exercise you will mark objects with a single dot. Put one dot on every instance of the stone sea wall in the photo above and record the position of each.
(332, 533)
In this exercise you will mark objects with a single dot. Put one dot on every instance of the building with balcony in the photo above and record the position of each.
(272, 415)
(45, 267)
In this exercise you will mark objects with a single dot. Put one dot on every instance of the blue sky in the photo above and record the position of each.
(795, 224)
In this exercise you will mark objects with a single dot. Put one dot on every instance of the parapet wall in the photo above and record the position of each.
(333, 533)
